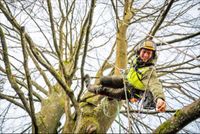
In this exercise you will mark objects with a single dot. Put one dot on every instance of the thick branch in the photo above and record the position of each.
(180, 119)
(86, 45)
(40, 59)
(55, 40)
(43, 74)
(121, 40)
(179, 39)
(28, 78)
(60, 80)
(161, 19)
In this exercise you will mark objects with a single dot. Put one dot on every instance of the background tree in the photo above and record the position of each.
(48, 46)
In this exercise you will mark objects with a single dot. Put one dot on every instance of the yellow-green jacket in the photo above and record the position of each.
(145, 78)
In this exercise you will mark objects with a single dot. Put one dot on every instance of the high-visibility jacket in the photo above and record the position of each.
(145, 78)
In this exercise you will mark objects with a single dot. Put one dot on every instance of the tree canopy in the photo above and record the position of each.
(48, 46)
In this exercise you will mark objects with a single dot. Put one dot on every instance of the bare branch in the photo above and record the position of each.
(9, 73)
(28, 78)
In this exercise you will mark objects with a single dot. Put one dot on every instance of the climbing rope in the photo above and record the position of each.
(144, 95)
(127, 101)
(105, 106)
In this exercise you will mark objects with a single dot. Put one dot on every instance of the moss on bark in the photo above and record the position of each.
(180, 119)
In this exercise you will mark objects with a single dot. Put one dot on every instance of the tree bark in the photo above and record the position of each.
(180, 119)
(48, 119)
(97, 116)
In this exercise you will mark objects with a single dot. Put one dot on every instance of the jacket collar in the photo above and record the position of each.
(138, 63)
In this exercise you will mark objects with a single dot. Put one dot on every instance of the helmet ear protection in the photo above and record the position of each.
(147, 44)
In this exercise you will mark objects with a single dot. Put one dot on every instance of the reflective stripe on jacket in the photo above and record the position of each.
(145, 78)
(134, 77)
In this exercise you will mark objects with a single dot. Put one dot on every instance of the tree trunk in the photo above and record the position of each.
(51, 111)
(97, 116)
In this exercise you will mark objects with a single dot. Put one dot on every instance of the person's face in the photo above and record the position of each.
(145, 54)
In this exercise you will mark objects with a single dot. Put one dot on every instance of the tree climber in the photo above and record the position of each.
(141, 79)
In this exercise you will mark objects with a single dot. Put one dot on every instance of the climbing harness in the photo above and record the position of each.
(141, 106)
(106, 102)
(146, 88)
(134, 78)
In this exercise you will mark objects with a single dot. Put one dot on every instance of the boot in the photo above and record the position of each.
(87, 80)
(92, 88)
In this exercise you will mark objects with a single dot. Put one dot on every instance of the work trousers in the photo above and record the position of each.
(113, 86)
